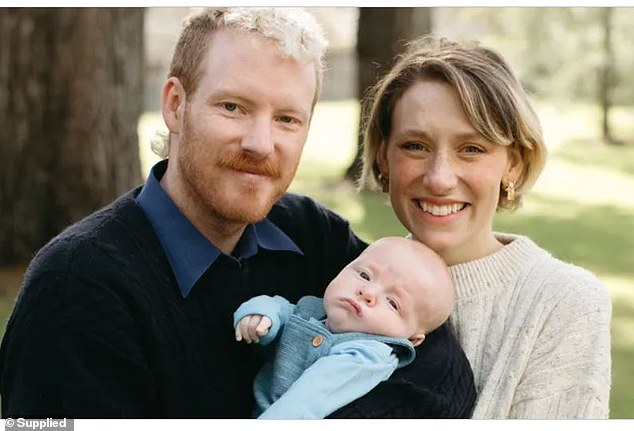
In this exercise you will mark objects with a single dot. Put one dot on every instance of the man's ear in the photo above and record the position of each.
(173, 101)
(417, 339)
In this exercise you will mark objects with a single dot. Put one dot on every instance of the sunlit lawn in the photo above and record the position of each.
(582, 208)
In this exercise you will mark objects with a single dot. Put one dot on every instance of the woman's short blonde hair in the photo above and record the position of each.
(493, 100)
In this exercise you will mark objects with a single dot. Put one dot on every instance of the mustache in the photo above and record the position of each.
(244, 162)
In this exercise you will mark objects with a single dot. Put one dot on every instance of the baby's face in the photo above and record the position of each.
(384, 291)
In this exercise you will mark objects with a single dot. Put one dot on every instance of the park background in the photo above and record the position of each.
(59, 158)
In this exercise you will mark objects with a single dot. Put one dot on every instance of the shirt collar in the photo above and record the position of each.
(189, 253)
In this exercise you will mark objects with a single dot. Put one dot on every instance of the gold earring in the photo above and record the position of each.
(510, 191)
(385, 183)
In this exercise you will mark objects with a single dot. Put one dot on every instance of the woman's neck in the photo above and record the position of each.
(476, 249)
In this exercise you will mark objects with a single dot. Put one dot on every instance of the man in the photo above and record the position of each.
(128, 313)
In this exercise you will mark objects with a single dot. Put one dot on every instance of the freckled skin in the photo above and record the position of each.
(434, 155)
(237, 140)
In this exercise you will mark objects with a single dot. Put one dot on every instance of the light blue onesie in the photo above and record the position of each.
(315, 372)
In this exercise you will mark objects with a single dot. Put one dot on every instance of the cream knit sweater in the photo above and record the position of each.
(536, 331)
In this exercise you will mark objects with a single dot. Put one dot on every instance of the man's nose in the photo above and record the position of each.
(258, 141)
(440, 175)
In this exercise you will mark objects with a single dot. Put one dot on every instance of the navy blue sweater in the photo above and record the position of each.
(101, 330)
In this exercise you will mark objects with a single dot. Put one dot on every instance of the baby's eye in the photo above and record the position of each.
(392, 303)
(364, 275)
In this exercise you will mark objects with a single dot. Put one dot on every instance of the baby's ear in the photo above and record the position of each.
(417, 339)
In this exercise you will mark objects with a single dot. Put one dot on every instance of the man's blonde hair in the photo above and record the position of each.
(492, 98)
(295, 32)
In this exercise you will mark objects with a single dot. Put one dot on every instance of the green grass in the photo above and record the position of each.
(10, 279)
(581, 209)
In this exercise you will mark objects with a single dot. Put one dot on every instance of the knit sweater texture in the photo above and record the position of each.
(101, 330)
(536, 331)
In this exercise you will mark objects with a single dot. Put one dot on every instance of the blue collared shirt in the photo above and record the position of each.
(189, 253)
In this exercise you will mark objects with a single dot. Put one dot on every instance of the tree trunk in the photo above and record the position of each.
(70, 99)
(382, 33)
(606, 75)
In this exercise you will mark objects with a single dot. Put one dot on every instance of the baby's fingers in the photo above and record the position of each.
(244, 329)
(263, 327)
(254, 321)
(238, 333)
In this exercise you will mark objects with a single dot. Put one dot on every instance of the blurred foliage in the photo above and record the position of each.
(580, 209)
(557, 52)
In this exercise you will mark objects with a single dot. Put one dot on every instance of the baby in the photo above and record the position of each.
(333, 351)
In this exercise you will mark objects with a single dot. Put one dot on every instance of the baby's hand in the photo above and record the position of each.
(252, 327)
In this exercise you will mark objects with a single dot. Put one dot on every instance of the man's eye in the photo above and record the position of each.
(364, 275)
(287, 119)
(392, 303)
(230, 106)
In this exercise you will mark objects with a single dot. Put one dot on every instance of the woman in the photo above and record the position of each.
(452, 138)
